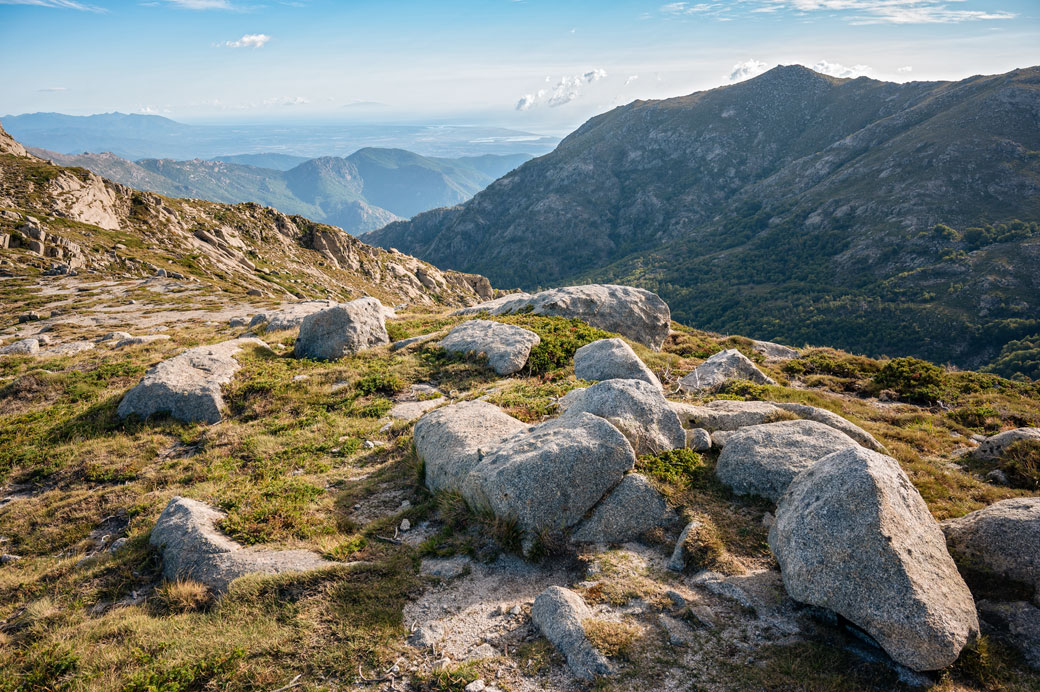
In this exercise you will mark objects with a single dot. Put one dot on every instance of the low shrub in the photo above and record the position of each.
(915, 381)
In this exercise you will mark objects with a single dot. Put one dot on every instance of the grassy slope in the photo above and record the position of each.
(288, 466)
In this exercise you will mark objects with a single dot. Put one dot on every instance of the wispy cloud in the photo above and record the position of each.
(566, 90)
(248, 41)
(747, 70)
(59, 4)
(49, 90)
(631, 78)
(853, 11)
(907, 68)
(286, 101)
(753, 68)
(202, 4)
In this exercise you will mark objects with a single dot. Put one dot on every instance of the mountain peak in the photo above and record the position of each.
(8, 144)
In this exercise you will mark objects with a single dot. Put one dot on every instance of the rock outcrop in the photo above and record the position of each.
(763, 459)
(193, 548)
(629, 511)
(452, 440)
(547, 478)
(637, 408)
(187, 386)
(506, 346)
(338, 331)
(725, 414)
(721, 368)
(560, 615)
(992, 448)
(22, 347)
(822, 415)
(633, 312)
(853, 535)
(1003, 539)
(289, 316)
(610, 359)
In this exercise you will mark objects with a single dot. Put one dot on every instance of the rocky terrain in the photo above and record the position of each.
(361, 192)
(371, 474)
(884, 218)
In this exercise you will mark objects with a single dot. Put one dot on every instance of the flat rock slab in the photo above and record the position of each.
(992, 448)
(635, 407)
(633, 312)
(560, 615)
(22, 347)
(763, 459)
(187, 386)
(413, 410)
(721, 368)
(289, 316)
(853, 535)
(341, 330)
(1003, 539)
(611, 359)
(506, 346)
(139, 340)
(550, 476)
(774, 351)
(69, 348)
(452, 439)
(193, 548)
(822, 415)
(629, 511)
(726, 415)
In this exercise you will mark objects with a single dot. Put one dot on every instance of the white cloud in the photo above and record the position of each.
(286, 101)
(838, 70)
(50, 90)
(201, 4)
(747, 70)
(566, 90)
(60, 4)
(249, 41)
(899, 11)
(907, 68)
(631, 78)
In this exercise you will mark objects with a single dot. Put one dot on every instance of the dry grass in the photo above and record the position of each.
(183, 596)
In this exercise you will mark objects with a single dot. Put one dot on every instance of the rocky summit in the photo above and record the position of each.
(241, 450)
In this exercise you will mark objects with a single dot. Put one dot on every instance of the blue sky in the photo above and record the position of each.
(540, 65)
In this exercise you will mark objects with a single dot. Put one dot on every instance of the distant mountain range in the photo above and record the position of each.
(872, 216)
(364, 191)
(136, 136)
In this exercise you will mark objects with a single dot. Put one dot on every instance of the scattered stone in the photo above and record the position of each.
(718, 585)
(413, 410)
(22, 347)
(476, 686)
(341, 330)
(551, 475)
(187, 386)
(1019, 623)
(677, 599)
(630, 510)
(116, 336)
(8, 558)
(427, 635)
(679, 633)
(1003, 539)
(238, 322)
(636, 408)
(289, 316)
(30, 316)
(301, 378)
(677, 563)
(450, 440)
(992, 448)
(481, 652)
(442, 663)
(611, 359)
(763, 459)
(138, 340)
(255, 292)
(506, 346)
(193, 548)
(822, 415)
(698, 439)
(405, 526)
(774, 351)
(69, 348)
(721, 368)
(725, 414)
(559, 614)
(998, 477)
(853, 535)
(445, 568)
(704, 615)
(118, 544)
(404, 343)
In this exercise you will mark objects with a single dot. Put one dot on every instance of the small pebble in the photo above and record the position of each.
(406, 525)
(476, 686)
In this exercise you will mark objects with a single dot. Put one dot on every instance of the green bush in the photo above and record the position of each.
(916, 381)
(1021, 464)
(821, 362)
(681, 467)
(560, 338)
(382, 382)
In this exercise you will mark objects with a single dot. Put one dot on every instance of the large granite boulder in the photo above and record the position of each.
(853, 535)
(451, 440)
(992, 448)
(725, 414)
(1003, 539)
(22, 347)
(637, 408)
(289, 316)
(506, 346)
(763, 459)
(560, 615)
(611, 359)
(548, 477)
(773, 351)
(343, 329)
(193, 548)
(821, 415)
(721, 368)
(633, 312)
(629, 511)
(187, 386)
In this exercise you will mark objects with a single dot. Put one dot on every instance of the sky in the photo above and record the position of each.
(544, 66)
